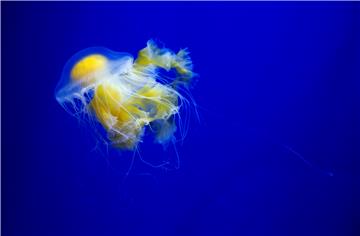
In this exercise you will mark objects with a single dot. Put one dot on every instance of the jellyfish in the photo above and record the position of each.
(120, 97)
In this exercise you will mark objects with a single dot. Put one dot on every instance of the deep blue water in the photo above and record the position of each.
(275, 152)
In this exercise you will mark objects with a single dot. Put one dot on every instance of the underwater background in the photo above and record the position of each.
(275, 152)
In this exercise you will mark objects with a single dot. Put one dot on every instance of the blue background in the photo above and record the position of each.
(278, 82)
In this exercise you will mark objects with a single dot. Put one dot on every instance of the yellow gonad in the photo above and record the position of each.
(123, 96)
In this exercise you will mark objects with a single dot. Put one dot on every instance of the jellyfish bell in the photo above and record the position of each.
(123, 96)
(88, 67)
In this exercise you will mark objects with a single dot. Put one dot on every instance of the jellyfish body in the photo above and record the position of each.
(124, 96)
